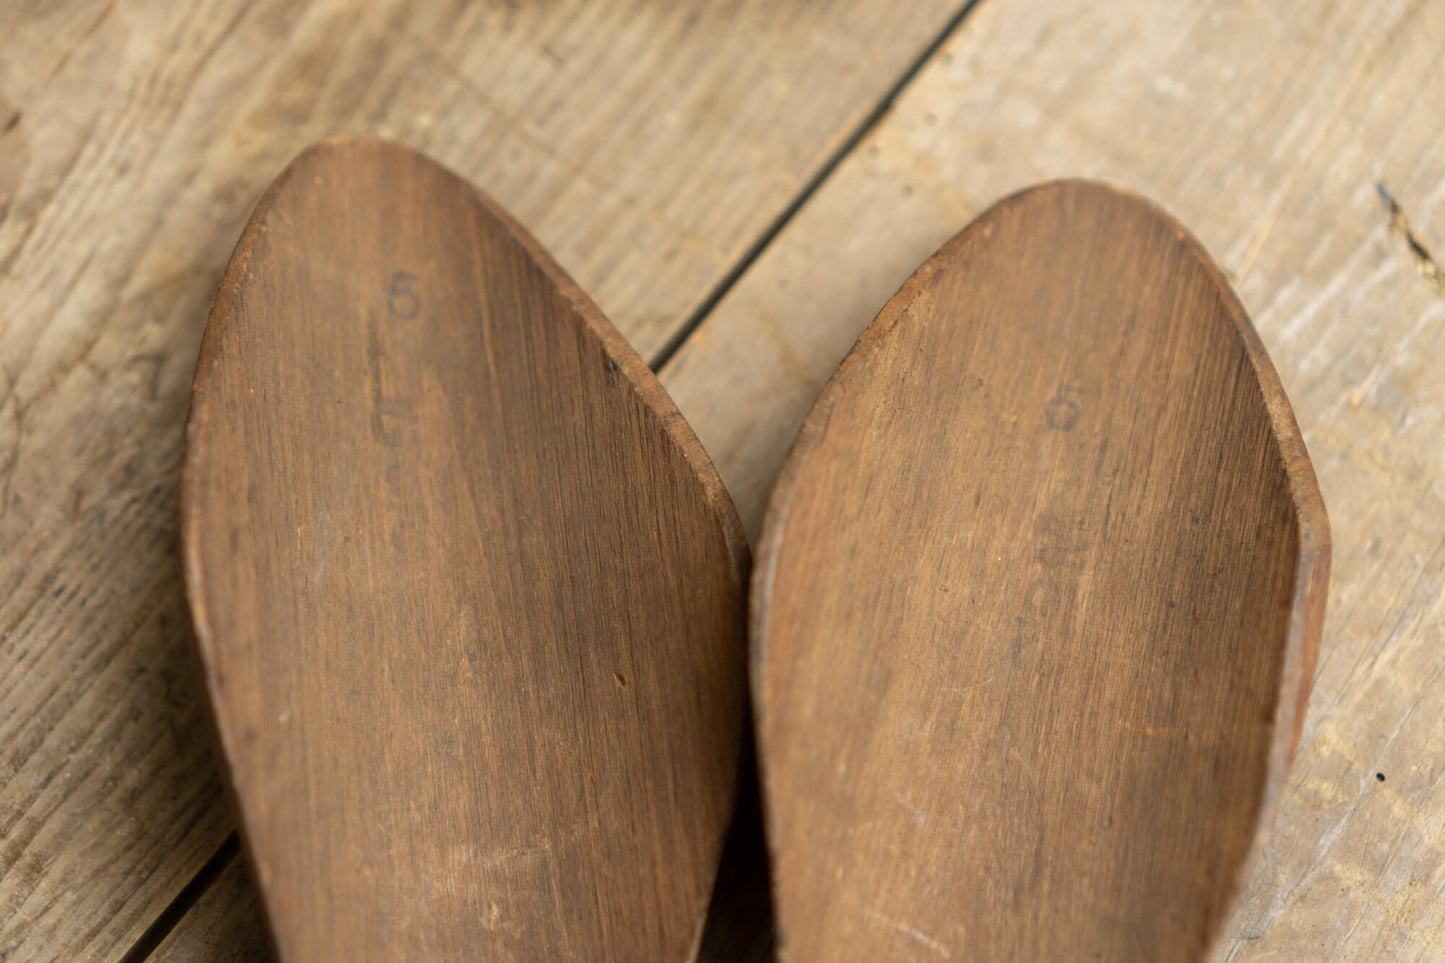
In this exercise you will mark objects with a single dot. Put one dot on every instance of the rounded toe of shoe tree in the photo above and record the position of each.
(1036, 604)
(467, 593)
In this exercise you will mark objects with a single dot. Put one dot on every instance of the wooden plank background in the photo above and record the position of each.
(657, 148)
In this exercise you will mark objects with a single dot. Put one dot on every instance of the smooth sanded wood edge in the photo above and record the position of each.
(1311, 580)
(637, 372)
(237, 272)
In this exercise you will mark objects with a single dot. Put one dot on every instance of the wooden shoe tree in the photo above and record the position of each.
(1036, 604)
(467, 592)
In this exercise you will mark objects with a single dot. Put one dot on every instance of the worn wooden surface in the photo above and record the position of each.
(1037, 600)
(657, 138)
(1265, 128)
(648, 145)
(468, 594)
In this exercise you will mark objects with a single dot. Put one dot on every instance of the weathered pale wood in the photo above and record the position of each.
(468, 595)
(1265, 128)
(647, 144)
(1037, 600)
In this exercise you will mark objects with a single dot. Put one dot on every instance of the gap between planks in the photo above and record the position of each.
(849, 143)
(188, 897)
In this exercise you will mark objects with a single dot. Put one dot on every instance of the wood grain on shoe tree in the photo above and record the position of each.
(467, 592)
(1036, 605)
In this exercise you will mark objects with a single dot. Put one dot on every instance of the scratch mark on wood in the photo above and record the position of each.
(907, 930)
(1425, 261)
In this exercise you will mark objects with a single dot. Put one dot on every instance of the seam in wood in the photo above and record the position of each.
(185, 900)
(830, 164)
